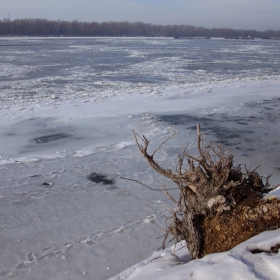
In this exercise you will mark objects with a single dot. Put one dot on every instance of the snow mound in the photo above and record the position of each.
(252, 259)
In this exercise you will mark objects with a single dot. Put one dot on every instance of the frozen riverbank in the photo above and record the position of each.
(55, 223)
(252, 259)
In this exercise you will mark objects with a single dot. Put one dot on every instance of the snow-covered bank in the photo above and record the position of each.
(78, 229)
(249, 260)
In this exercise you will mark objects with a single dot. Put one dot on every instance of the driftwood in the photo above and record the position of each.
(218, 206)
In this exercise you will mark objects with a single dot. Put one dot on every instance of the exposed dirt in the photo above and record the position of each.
(225, 231)
(273, 250)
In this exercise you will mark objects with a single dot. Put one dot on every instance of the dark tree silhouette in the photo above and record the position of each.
(43, 27)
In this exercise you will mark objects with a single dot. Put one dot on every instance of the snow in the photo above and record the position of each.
(238, 263)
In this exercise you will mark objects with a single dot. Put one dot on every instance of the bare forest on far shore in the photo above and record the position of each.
(56, 28)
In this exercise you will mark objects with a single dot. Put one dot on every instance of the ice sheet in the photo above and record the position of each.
(56, 222)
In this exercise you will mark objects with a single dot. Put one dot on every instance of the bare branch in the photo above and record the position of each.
(163, 143)
(146, 185)
(164, 190)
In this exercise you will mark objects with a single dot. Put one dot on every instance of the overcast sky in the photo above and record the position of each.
(244, 14)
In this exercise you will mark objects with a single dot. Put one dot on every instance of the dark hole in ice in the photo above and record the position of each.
(50, 138)
(46, 184)
(99, 178)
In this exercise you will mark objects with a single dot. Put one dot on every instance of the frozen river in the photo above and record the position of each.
(67, 110)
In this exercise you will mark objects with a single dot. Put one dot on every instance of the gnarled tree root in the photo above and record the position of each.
(218, 205)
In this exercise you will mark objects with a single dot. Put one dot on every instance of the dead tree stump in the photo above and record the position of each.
(218, 205)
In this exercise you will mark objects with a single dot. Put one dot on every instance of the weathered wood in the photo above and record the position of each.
(209, 188)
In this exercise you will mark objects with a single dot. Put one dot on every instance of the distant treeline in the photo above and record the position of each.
(43, 27)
